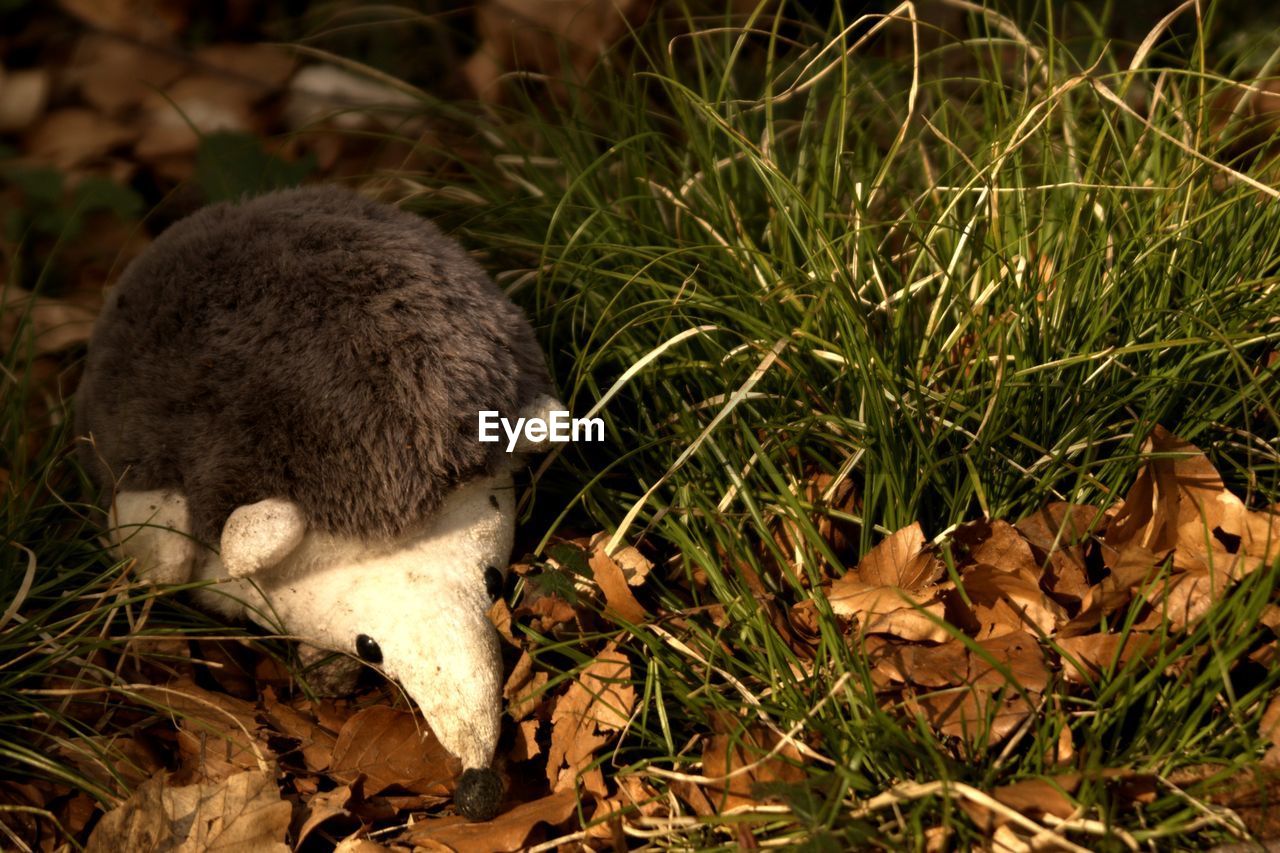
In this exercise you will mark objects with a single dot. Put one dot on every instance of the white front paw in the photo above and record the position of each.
(154, 528)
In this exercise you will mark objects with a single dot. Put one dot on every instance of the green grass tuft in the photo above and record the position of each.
(970, 278)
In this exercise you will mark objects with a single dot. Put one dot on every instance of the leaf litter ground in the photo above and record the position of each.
(975, 636)
(978, 636)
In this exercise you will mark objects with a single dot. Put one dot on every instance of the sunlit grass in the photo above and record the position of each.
(967, 277)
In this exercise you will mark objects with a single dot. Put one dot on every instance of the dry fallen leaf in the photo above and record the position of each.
(72, 137)
(1059, 524)
(1179, 502)
(550, 612)
(733, 746)
(1180, 599)
(194, 105)
(538, 35)
(613, 583)
(1089, 655)
(322, 807)
(114, 75)
(53, 324)
(112, 761)
(23, 96)
(998, 544)
(1179, 510)
(240, 813)
(889, 610)
(597, 705)
(968, 681)
(145, 20)
(508, 831)
(890, 590)
(346, 100)
(634, 797)
(267, 66)
(635, 566)
(392, 747)
(1269, 728)
(524, 688)
(1007, 601)
(971, 713)
(825, 495)
(526, 744)
(315, 743)
(944, 665)
(1033, 798)
(900, 559)
(355, 844)
(218, 735)
(1044, 548)
(1016, 652)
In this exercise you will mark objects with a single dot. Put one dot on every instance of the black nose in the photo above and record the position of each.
(493, 582)
(368, 649)
(479, 793)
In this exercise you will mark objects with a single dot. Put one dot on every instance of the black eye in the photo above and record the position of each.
(368, 649)
(493, 582)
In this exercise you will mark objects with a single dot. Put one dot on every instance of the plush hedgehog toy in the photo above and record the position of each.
(284, 394)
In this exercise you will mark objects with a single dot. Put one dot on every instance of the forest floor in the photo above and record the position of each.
(940, 501)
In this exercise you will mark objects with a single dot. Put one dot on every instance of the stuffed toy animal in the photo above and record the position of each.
(282, 395)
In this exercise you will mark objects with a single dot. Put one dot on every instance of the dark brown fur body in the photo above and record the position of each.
(307, 344)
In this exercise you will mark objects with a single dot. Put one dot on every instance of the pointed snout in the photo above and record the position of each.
(454, 674)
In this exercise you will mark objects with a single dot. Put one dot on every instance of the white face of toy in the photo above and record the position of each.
(415, 608)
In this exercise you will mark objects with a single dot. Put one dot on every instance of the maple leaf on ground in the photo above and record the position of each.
(892, 590)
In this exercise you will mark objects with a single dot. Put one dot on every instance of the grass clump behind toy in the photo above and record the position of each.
(284, 393)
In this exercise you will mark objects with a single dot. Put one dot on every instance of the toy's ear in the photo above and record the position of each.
(258, 536)
(154, 528)
(541, 408)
